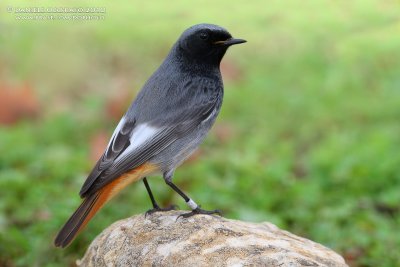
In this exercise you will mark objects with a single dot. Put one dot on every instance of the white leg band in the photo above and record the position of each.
(192, 204)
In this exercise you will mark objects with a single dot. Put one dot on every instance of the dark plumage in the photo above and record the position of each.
(169, 118)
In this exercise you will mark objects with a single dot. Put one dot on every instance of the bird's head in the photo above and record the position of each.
(206, 43)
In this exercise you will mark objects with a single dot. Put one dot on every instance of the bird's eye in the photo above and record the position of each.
(203, 36)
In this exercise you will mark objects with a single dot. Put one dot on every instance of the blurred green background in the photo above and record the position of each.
(308, 137)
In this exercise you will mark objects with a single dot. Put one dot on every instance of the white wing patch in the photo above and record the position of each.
(116, 131)
(210, 116)
(140, 135)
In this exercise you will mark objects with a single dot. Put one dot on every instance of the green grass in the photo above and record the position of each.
(308, 136)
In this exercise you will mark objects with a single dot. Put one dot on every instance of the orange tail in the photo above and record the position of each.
(93, 203)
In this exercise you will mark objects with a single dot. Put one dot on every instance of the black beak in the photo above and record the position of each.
(230, 41)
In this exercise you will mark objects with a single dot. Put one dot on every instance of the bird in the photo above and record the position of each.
(169, 118)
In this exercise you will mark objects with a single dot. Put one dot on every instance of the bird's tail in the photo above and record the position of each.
(92, 204)
(79, 219)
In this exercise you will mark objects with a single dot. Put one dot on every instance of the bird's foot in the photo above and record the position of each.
(197, 211)
(158, 209)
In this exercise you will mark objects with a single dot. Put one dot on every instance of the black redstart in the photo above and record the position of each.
(167, 121)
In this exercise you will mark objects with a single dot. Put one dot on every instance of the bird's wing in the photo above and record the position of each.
(119, 141)
(132, 144)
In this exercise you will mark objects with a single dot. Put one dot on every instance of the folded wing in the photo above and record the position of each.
(133, 144)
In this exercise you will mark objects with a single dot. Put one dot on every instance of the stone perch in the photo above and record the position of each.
(160, 239)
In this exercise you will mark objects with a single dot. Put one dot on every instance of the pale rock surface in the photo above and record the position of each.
(163, 239)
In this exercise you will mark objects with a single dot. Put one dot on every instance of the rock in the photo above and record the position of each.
(163, 239)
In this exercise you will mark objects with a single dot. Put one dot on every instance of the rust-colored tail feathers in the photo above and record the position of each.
(93, 203)
(78, 220)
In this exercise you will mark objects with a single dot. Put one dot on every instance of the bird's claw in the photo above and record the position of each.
(197, 211)
(158, 209)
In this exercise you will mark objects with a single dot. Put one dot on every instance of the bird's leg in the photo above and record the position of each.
(153, 201)
(155, 208)
(195, 208)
